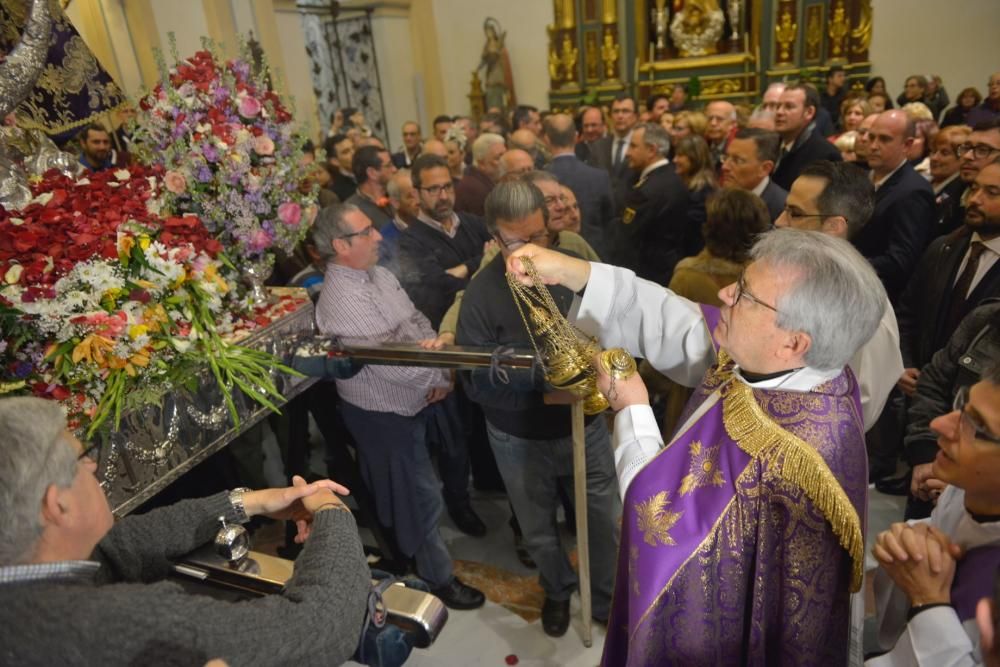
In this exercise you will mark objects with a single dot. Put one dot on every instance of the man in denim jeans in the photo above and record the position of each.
(529, 422)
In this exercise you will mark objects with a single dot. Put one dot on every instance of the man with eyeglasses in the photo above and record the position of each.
(933, 572)
(742, 538)
(528, 422)
(748, 163)
(387, 408)
(837, 199)
(980, 148)
(945, 169)
(79, 587)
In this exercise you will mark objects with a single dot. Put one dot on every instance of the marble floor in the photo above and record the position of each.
(493, 635)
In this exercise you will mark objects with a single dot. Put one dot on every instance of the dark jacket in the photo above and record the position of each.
(949, 214)
(471, 191)
(899, 229)
(809, 147)
(381, 216)
(923, 307)
(592, 187)
(975, 343)
(343, 186)
(426, 253)
(400, 159)
(655, 229)
(774, 197)
(489, 318)
(622, 176)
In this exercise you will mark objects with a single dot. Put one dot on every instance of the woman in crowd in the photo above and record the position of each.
(693, 163)
(876, 86)
(687, 123)
(853, 110)
(967, 100)
(914, 90)
(735, 218)
(454, 143)
(879, 102)
(845, 144)
(920, 149)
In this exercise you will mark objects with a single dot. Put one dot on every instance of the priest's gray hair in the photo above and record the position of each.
(513, 200)
(481, 146)
(33, 456)
(836, 298)
(329, 225)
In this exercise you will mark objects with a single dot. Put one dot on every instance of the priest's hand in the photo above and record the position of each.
(554, 268)
(920, 560)
(620, 393)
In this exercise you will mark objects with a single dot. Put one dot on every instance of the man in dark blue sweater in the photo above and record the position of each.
(529, 422)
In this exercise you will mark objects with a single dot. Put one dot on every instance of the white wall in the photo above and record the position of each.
(399, 78)
(957, 40)
(184, 18)
(298, 79)
(461, 39)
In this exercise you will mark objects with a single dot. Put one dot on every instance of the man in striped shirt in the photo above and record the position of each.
(385, 407)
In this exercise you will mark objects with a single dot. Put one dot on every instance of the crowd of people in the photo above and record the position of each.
(812, 286)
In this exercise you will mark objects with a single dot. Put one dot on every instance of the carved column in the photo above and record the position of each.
(838, 31)
(610, 48)
(786, 31)
(861, 31)
(568, 48)
(555, 39)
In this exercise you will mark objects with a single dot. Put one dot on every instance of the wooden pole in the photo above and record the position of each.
(582, 539)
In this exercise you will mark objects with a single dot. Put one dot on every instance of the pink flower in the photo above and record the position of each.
(259, 241)
(290, 213)
(263, 145)
(175, 182)
(249, 107)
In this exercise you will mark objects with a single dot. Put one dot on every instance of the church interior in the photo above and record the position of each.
(326, 71)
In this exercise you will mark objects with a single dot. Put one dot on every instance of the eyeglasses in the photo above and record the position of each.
(517, 243)
(967, 423)
(742, 291)
(367, 231)
(798, 215)
(979, 151)
(436, 190)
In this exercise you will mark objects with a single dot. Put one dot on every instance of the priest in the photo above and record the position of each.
(742, 538)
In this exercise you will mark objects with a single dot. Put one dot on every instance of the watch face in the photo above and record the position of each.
(232, 542)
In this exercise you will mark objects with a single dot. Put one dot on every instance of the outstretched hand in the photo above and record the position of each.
(553, 268)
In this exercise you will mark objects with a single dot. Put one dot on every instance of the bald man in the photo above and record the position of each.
(515, 162)
(592, 186)
(900, 228)
(721, 117)
(434, 147)
(527, 141)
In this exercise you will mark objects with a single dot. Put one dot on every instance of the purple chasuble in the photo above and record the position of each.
(742, 539)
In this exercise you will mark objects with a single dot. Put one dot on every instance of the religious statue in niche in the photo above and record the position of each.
(498, 77)
(697, 27)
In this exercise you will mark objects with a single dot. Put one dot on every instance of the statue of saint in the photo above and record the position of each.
(697, 27)
(499, 79)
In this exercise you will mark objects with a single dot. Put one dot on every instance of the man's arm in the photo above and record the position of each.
(423, 276)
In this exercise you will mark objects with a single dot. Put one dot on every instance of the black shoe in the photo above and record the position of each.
(522, 553)
(894, 486)
(555, 617)
(467, 520)
(457, 595)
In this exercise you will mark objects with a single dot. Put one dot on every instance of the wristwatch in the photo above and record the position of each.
(236, 500)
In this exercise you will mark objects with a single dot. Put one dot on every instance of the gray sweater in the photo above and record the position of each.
(130, 616)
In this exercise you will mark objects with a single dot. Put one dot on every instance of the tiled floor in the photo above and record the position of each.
(490, 635)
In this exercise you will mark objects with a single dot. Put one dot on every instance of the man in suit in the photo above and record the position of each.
(748, 164)
(721, 116)
(976, 151)
(481, 175)
(340, 156)
(900, 228)
(609, 153)
(411, 145)
(592, 186)
(800, 143)
(654, 227)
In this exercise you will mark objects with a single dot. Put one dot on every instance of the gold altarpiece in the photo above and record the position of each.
(720, 49)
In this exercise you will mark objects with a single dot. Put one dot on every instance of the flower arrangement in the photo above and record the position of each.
(226, 144)
(105, 305)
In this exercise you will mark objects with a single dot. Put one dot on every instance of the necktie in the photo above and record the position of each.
(959, 294)
(619, 150)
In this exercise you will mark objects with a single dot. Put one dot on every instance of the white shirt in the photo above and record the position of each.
(934, 637)
(760, 187)
(879, 183)
(656, 324)
(986, 260)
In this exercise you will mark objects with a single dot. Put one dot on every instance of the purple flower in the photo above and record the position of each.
(204, 174)
(212, 155)
(22, 369)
